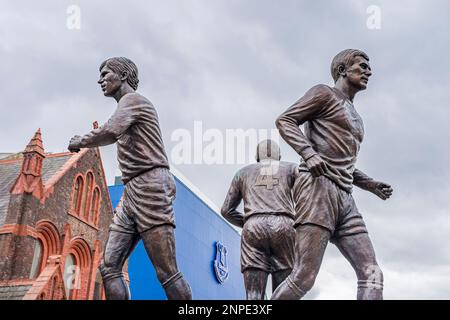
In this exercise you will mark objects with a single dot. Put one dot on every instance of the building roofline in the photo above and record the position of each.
(200, 195)
(47, 155)
(8, 161)
(62, 171)
(58, 154)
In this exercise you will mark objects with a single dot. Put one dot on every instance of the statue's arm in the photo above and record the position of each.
(98, 137)
(110, 132)
(306, 108)
(229, 208)
(363, 181)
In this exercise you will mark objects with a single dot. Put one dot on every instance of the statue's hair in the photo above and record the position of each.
(120, 65)
(268, 149)
(345, 58)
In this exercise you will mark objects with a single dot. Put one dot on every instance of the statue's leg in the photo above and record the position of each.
(358, 250)
(255, 255)
(159, 243)
(311, 242)
(255, 281)
(282, 249)
(278, 277)
(118, 247)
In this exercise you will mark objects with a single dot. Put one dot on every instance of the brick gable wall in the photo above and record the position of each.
(53, 221)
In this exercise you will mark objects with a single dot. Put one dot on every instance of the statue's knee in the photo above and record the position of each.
(164, 271)
(162, 276)
(371, 272)
(109, 270)
(303, 281)
(168, 281)
(103, 269)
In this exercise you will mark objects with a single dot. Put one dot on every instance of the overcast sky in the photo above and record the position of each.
(239, 64)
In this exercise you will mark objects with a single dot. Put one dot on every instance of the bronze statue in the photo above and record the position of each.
(325, 209)
(146, 212)
(268, 236)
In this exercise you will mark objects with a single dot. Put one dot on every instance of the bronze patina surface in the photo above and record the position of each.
(325, 209)
(146, 210)
(267, 242)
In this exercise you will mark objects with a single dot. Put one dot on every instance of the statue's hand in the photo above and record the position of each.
(381, 189)
(316, 166)
(74, 144)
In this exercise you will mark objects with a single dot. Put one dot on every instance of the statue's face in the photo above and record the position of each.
(109, 81)
(359, 72)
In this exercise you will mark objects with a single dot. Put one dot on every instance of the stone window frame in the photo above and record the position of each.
(85, 195)
(47, 233)
(82, 253)
(77, 194)
(94, 211)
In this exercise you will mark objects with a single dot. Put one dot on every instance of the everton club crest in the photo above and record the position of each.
(220, 263)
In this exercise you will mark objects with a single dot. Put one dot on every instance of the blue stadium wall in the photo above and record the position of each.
(198, 229)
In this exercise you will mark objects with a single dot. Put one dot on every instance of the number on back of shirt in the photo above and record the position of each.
(266, 180)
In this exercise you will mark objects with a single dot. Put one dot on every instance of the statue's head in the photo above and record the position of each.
(268, 149)
(353, 66)
(115, 72)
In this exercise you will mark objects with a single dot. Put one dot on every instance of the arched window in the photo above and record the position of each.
(77, 195)
(37, 259)
(94, 206)
(97, 212)
(71, 276)
(77, 269)
(50, 242)
(87, 195)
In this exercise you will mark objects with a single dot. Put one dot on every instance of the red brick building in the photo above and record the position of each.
(54, 217)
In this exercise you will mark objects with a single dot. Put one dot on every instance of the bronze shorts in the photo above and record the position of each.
(267, 243)
(321, 202)
(146, 203)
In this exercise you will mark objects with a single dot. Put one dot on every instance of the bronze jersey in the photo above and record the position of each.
(265, 188)
(333, 129)
(135, 127)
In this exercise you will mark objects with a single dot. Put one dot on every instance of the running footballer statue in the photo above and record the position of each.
(268, 235)
(146, 212)
(325, 209)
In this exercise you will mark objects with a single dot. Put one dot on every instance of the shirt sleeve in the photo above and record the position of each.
(305, 109)
(361, 180)
(123, 118)
(232, 201)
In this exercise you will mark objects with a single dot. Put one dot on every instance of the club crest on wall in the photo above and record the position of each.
(220, 263)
